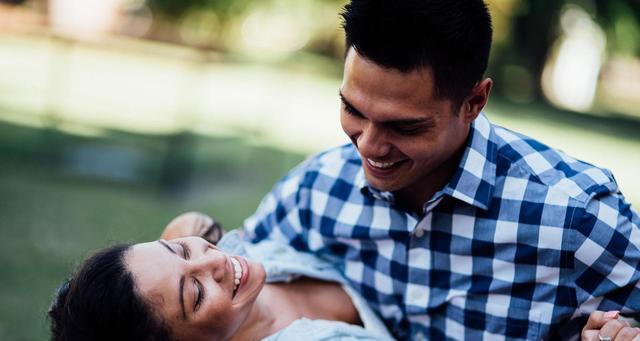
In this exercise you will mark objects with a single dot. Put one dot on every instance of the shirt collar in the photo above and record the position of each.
(474, 180)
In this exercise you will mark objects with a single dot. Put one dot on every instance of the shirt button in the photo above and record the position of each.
(419, 232)
(418, 336)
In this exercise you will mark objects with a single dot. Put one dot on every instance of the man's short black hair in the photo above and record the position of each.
(452, 37)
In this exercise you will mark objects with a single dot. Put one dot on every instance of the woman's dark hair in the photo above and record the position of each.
(100, 302)
(453, 37)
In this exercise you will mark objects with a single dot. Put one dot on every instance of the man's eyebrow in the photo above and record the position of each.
(399, 122)
(181, 290)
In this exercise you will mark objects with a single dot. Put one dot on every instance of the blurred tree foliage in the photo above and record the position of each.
(530, 27)
(175, 9)
(621, 20)
(534, 28)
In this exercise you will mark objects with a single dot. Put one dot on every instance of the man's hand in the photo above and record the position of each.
(193, 224)
(607, 326)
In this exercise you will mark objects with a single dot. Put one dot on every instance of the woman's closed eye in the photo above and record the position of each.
(199, 294)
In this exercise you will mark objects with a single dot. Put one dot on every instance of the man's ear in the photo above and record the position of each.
(477, 99)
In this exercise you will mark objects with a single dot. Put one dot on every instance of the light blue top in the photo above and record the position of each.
(282, 263)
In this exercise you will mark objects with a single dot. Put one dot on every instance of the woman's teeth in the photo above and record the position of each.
(380, 164)
(237, 268)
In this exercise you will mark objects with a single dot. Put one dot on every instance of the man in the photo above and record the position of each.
(452, 227)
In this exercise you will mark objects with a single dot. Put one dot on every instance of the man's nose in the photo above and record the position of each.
(372, 142)
(211, 262)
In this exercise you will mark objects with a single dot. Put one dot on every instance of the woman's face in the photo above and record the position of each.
(192, 285)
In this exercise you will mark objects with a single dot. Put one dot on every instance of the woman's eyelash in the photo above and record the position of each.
(186, 253)
(199, 296)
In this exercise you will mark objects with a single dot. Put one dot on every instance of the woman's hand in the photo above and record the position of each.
(193, 224)
(603, 326)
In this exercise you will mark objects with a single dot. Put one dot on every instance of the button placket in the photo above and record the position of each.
(423, 226)
(418, 262)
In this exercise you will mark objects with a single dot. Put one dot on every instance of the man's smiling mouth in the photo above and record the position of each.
(381, 165)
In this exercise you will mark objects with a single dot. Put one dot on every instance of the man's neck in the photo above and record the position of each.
(418, 193)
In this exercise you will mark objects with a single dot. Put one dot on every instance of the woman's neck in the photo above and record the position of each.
(278, 305)
(270, 313)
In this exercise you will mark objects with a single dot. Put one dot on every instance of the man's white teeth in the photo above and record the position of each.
(380, 164)
(237, 268)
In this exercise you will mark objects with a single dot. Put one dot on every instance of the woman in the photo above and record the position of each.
(189, 289)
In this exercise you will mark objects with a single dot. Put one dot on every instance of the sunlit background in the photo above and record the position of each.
(116, 115)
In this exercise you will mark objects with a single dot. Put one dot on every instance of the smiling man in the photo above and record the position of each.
(451, 227)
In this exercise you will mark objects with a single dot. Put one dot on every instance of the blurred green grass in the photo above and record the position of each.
(51, 218)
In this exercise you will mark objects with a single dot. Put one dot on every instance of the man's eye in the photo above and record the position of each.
(407, 130)
(351, 111)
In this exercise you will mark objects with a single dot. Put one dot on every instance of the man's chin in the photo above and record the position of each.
(382, 185)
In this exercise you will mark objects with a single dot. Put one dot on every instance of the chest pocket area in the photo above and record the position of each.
(491, 321)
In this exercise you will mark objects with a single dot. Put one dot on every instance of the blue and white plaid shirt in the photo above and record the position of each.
(522, 243)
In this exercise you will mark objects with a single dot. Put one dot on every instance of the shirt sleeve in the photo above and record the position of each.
(282, 215)
(607, 258)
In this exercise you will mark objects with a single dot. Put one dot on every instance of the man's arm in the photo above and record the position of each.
(283, 214)
(607, 258)
(193, 224)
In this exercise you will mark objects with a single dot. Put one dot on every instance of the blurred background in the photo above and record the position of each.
(117, 115)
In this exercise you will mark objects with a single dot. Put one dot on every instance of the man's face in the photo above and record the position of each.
(407, 137)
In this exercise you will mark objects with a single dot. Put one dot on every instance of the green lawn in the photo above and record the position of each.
(51, 217)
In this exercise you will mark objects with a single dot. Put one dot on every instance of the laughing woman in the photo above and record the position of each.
(189, 289)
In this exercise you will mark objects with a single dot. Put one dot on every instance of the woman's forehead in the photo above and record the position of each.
(156, 272)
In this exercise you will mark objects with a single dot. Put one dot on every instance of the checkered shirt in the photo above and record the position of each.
(522, 243)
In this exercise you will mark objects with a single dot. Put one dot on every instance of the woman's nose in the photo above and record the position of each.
(211, 262)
